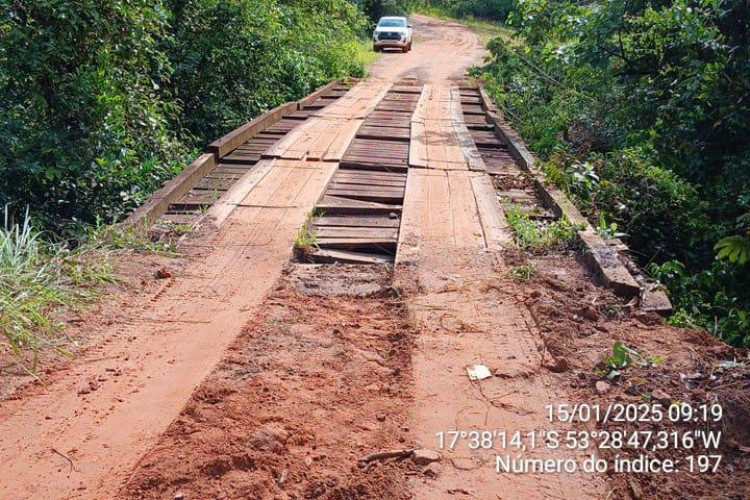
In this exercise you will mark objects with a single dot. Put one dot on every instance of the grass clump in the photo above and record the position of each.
(41, 278)
(558, 235)
(306, 241)
(365, 54)
(134, 238)
(523, 274)
(37, 279)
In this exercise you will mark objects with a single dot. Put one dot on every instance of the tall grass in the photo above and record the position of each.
(38, 278)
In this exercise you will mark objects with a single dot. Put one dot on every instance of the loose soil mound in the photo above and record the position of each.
(316, 382)
(580, 323)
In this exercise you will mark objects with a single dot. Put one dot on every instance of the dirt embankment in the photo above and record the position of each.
(580, 324)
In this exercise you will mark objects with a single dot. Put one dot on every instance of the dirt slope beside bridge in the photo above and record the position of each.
(247, 372)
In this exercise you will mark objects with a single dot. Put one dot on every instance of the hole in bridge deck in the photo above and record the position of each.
(359, 217)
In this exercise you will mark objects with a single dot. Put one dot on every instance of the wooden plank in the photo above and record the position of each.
(415, 210)
(387, 245)
(219, 212)
(330, 256)
(418, 145)
(387, 132)
(357, 221)
(406, 89)
(372, 196)
(438, 229)
(235, 168)
(319, 93)
(341, 142)
(325, 134)
(374, 165)
(379, 233)
(367, 175)
(365, 188)
(199, 198)
(497, 233)
(360, 190)
(294, 145)
(465, 139)
(241, 158)
(344, 182)
(333, 204)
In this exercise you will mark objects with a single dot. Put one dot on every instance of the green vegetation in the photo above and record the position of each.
(530, 235)
(471, 10)
(375, 9)
(39, 278)
(365, 54)
(102, 101)
(623, 357)
(306, 240)
(523, 274)
(639, 112)
(239, 58)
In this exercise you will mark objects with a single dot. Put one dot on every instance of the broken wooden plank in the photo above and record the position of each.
(373, 244)
(333, 204)
(379, 233)
(357, 221)
(325, 256)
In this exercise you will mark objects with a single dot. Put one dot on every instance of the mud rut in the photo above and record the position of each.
(251, 374)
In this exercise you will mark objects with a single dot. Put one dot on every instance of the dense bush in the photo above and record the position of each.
(375, 9)
(494, 10)
(235, 59)
(84, 117)
(100, 101)
(639, 110)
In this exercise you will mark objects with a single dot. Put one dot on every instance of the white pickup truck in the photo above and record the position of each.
(392, 32)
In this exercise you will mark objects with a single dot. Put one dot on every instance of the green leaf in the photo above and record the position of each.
(735, 249)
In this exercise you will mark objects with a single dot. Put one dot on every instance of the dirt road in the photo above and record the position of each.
(242, 375)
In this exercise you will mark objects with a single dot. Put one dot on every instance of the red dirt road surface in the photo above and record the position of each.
(240, 373)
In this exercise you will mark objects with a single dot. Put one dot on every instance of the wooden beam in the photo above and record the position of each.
(601, 259)
(234, 139)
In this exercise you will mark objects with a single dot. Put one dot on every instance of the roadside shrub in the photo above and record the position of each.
(236, 59)
(83, 111)
(639, 111)
(375, 9)
(101, 101)
(494, 10)
(657, 209)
